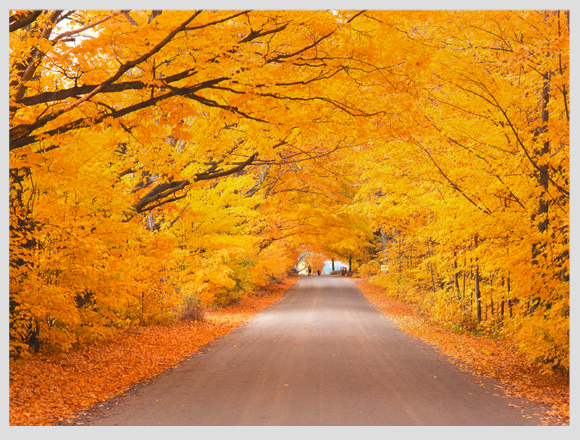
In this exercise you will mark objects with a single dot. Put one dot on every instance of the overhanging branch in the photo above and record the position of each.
(164, 190)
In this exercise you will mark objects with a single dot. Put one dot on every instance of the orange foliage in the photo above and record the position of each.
(47, 389)
(144, 176)
(481, 356)
(316, 261)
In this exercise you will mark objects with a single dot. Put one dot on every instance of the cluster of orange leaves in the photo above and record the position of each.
(481, 356)
(49, 388)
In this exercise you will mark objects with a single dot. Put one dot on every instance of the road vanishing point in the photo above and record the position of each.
(321, 356)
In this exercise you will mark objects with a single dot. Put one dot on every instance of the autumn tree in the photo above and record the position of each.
(163, 155)
(140, 150)
(479, 189)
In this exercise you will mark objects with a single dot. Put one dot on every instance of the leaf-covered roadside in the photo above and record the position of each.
(481, 356)
(47, 389)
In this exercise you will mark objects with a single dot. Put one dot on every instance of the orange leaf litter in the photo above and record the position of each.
(47, 389)
(481, 356)
(50, 388)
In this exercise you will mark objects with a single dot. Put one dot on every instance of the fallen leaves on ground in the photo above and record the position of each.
(481, 356)
(46, 389)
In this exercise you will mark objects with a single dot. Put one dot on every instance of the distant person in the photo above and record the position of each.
(319, 272)
(309, 270)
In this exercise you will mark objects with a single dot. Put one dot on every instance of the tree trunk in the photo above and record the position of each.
(464, 265)
(399, 243)
(477, 291)
(431, 266)
(543, 176)
(20, 263)
(455, 277)
(543, 179)
(383, 239)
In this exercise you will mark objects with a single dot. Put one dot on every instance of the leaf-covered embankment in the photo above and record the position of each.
(46, 389)
(481, 356)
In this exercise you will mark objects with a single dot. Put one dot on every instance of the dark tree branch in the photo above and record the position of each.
(257, 34)
(18, 21)
(211, 23)
(60, 95)
(161, 191)
(26, 71)
(130, 19)
(83, 122)
(23, 131)
(164, 190)
(304, 49)
(174, 199)
(21, 141)
(280, 57)
(453, 184)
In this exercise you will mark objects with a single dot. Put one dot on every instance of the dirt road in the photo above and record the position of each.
(321, 356)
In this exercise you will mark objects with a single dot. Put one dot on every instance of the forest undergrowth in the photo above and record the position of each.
(482, 356)
(46, 389)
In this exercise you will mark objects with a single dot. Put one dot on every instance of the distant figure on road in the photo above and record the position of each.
(309, 270)
(319, 272)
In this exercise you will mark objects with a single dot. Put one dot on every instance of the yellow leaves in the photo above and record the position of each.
(480, 355)
(413, 124)
(469, 166)
(371, 268)
(51, 388)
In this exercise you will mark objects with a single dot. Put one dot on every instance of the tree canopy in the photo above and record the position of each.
(160, 156)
